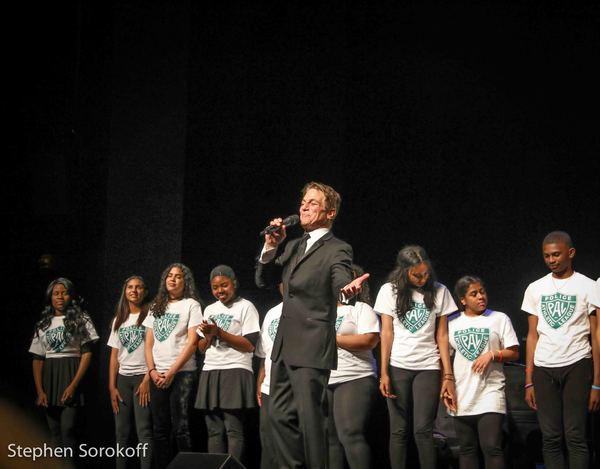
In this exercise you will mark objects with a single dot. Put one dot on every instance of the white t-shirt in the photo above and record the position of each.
(414, 346)
(55, 343)
(562, 307)
(239, 318)
(472, 336)
(129, 341)
(268, 331)
(351, 320)
(171, 333)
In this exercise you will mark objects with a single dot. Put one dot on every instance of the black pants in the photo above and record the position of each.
(562, 396)
(350, 406)
(128, 409)
(298, 404)
(485, 431)
(267, 455)
(170, 416)
(417, 400)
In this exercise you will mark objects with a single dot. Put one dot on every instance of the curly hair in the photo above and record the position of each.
(161, 300)
(122, 310)
(410, 256)
(76, 319)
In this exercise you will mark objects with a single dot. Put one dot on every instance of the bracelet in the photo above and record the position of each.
(150, 371)
(449, 374)
(448, 379)
(529, 385)
(597, 388)
(500, 358)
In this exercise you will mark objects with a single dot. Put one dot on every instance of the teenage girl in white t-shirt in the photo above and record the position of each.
(129, 382)
(170, 344)
(483, 339)
(62, 354)
(228, 335)
(413, 309)
(352, 387)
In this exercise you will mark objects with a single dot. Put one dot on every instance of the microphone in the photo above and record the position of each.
(288, 221)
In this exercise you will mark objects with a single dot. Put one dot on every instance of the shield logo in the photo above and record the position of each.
(164, 325)
(472, 341)
(558, 308)
(57, 338)
(222, 320)
(338, 322)
(131, 337)
(416, 317)
(272, 330)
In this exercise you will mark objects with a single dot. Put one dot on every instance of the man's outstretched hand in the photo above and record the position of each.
(354, 286)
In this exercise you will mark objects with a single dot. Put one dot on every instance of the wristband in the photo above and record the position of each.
(597, 388)
(500, 358)
(150, 371)
(529, 385)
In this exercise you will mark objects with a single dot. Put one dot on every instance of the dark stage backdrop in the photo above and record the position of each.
(150, 132)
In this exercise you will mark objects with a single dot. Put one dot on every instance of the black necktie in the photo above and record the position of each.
(301, 249)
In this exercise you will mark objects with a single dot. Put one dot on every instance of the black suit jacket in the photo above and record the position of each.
(306, 332)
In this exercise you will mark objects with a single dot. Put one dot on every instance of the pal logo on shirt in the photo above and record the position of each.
(272, 330)
(131, 337)
(338, 322)
(558, 308)
(222, 320)
(57, 338)
(472, 341)
(164, 325)
(416, 317)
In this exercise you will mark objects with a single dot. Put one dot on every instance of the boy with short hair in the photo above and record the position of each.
(561, 382)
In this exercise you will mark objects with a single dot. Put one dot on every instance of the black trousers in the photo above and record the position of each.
(298, 404)
(350, 406)
(170, 416)
(418, 393)
(562, 396)
(485, 431)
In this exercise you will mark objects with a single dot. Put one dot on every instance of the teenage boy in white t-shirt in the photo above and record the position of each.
(561, 382)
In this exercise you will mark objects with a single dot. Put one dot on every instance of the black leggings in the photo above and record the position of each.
(62, 422)
(226, 431)
(418, 394)
(483, 430)
(350, 406)
(562, 396)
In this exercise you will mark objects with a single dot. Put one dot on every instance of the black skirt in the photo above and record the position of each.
(226, 389)
(57, 374)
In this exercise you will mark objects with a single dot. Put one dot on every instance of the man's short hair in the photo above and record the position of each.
(332, 198)
(555, 237)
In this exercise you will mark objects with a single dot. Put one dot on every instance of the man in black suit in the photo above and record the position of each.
(316, 271)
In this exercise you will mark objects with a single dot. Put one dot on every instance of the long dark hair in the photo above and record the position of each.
(122, 310)
(76, 318)
(462, 285)
(161, 300)
(408, 257)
